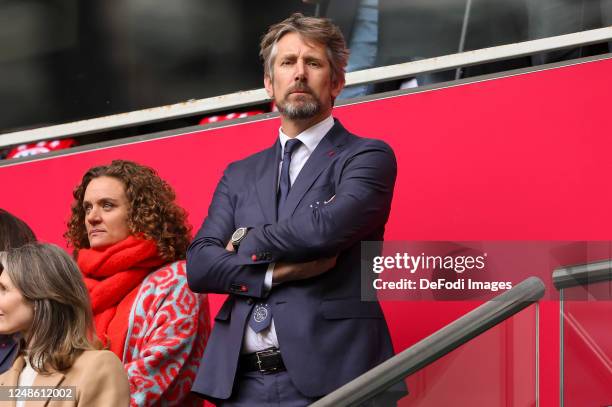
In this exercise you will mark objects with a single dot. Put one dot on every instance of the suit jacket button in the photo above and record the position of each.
(250, 301)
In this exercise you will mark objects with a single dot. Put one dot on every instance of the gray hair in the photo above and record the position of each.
(320, 30)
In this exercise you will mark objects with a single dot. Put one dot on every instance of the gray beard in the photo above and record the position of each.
(303, 110)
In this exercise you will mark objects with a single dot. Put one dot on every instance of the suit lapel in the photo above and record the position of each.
(11, 376)
(49, 380)
(320, 159)
(267, 180)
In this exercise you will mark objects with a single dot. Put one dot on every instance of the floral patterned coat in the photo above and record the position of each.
(168, 329)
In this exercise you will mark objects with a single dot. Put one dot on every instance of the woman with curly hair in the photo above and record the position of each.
(129, 238)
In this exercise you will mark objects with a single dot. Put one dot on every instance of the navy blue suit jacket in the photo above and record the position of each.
(327, 335)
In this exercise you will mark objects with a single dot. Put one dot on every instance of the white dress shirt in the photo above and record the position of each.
(26, 379)
(310, 139)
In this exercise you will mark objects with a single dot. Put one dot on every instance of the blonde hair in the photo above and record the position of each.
(51, 282)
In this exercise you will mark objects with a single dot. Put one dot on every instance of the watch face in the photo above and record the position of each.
(238, 234)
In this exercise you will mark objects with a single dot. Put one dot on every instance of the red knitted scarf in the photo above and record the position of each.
(113, 276)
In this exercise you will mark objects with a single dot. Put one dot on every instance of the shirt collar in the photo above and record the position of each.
(311, 136)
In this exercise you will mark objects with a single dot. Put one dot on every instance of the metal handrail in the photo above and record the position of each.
(436, 345)
(258, 96)
(582, 274)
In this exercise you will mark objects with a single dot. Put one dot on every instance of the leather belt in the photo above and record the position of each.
(266, 361)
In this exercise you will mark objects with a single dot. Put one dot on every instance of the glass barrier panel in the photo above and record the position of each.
(586, 345)
(497, 368)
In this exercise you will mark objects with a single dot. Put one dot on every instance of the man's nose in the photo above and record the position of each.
(300, 71)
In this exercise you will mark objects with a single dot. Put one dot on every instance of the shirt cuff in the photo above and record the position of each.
(268, 278)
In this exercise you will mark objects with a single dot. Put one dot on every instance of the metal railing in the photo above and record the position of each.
(258, 96)
(436, 345)
(582, 274)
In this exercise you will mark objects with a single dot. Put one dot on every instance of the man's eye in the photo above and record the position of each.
(107, 205)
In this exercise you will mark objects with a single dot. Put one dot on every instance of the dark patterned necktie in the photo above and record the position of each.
(261, 315)
(285, 182)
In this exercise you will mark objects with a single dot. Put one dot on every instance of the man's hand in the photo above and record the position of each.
(284, 272)
(229, 247)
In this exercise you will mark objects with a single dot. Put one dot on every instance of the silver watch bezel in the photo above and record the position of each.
(238, 235)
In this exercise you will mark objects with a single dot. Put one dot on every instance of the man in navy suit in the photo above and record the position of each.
(283, 234)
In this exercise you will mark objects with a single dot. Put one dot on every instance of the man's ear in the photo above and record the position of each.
(268, 86)
(337, 87)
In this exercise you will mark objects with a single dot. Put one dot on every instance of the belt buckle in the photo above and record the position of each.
(264, 353)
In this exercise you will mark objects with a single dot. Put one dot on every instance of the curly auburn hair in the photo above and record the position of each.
(152, 211)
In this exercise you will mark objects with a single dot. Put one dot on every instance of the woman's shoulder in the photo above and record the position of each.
(98, 361)
(167, 287)
(169, 277)
(168, 280)
(100, 379)
(177, 268)
(105, 357)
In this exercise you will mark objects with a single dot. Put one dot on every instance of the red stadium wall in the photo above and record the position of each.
(517, 158)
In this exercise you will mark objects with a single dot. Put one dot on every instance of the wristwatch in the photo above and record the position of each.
(238, 236)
